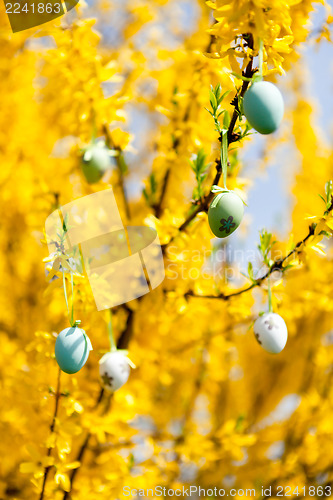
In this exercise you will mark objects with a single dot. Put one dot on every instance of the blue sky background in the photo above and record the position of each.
(269, 199)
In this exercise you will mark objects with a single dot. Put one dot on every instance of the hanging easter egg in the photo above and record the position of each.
(95, 162)
(263, 107)
(72, 349)
(225, 213)
(114, 370)
(271, 332)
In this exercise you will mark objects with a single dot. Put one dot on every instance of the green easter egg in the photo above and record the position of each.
(225, 214)
(263, 107)
(72, 349)
(95, 162)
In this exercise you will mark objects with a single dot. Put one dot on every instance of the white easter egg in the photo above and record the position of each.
(271, 332)
(114, 370)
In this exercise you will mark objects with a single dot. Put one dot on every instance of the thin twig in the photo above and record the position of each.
(123, 190)
(176, 141)
(158, 206)
(110, 143)
(49, 451)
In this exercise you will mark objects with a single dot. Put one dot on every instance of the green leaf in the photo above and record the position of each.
(199, 167)
(212, 114)
(198, 161)
(328, 191)
(131, 462)
(175, 92)
(153, 183)
(212, 100)
(226, 120)
(145, 194)
(325, 233)
(251, 325)
(240, 105)
(265, 245)
(227, 92)
(250, 270)
(65, 224)
(217, 92)
(239, 423)
(288, 266)
(150, 193)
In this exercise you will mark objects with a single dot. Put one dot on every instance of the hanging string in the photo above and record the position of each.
(72, 286)
(270, 305)
(113, 346)
(65, 294)
(69, 312)
(224, 157)
(93, 126)
(261, 59)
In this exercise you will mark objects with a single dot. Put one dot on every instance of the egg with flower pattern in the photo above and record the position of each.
(225, 213)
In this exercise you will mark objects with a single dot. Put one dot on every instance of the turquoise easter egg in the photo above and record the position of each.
(263, 107)
(72, 349)
(95, 162)
(225, 214)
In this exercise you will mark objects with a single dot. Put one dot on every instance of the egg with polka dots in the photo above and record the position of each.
(271, 332)
(114, 370)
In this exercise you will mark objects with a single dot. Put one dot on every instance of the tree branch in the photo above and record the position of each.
(204, 204)
(158, 207)
(276, 266)
(49, 451)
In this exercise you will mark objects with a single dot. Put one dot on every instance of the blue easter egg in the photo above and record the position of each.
(263, 107)
(72, 349)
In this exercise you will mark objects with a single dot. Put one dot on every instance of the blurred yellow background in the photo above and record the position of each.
(206, 405)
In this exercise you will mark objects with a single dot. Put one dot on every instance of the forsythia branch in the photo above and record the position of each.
(49, 451)
(204, 204)
(176, 142)
(276, 266)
